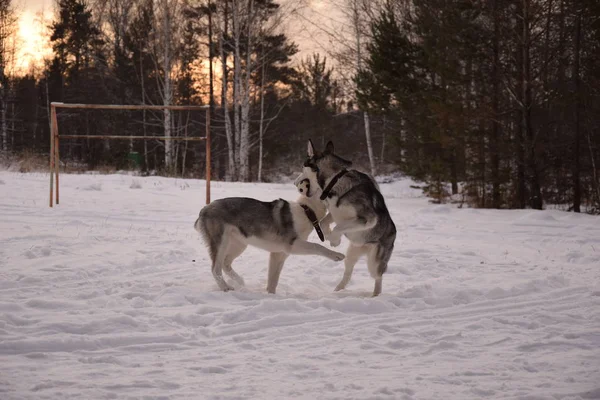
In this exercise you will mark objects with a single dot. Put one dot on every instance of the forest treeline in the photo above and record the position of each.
(496, 102)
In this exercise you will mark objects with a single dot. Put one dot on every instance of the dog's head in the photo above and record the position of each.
(320, 166)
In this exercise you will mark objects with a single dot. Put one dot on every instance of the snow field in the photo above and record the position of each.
(109, 296)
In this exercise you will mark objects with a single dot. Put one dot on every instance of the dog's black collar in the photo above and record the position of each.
(313, 219)
(325, 193)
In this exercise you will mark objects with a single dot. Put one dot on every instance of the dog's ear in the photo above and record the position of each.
(329, 147)
(310, 151)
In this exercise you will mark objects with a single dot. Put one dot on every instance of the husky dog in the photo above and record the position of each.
(357, 208)
(280, 227)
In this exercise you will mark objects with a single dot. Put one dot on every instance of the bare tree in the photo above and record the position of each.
(223, 32)
(237, 78)
(262, 118)
(243, 16)
(166, 52)
(356, 21)
(347, 41)
(252, 32)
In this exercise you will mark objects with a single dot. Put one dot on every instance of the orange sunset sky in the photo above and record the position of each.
(302, 27)
(32, 38)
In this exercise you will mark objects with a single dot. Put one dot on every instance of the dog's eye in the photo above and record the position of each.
(311, 165)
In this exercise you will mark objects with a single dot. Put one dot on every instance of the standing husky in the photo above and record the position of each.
(229, 225)
(358, 210)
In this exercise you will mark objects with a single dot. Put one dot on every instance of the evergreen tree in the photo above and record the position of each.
(74, 36)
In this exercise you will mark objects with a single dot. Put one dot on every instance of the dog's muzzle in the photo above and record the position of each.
(300, 178)
(304, 187)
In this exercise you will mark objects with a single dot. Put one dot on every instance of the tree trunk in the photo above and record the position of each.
(48, 112)
(563, 88)
(242, 88)
(520, 126)
(245, 97)
(482, 161)
(262, 119)
(144, 111)
(211, 77)
(3, 114)
(535, 197)
(167, 89)
(237, 77)
(366, 119)
(577, 138)
(367, 122)
(176, 146)
(231, 170)
(383, 137)
(454, 170)
(494, 138)
(211, 90)
(34, 127)
(168, 143)
(185, 149)
(12, 125)
(595, 175)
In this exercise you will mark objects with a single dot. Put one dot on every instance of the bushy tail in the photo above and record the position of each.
(384, 252)
(198, 225)
(211, 231)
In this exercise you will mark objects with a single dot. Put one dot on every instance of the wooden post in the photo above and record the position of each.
(55, 137)
(56, 151)
(207, 155)
(52, 113)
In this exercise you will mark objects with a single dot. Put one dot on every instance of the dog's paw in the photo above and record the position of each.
(238, 280)
(335, 240)
(226, 287)
(335, 256)
(343, 283)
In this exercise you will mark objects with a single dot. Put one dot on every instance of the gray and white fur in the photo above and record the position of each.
(280, 227)
(358, 209)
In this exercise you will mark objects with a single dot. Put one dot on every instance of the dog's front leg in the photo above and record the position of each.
(326, 225)
(276, 261)
(304, 247)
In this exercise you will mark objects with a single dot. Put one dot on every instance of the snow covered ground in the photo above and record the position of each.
(110, 296)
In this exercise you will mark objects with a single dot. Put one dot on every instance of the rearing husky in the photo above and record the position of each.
(229, 225)
(358, 210)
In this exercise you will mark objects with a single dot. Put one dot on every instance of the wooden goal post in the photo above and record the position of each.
(55, 137)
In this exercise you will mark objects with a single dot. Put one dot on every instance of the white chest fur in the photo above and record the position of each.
(341, 213)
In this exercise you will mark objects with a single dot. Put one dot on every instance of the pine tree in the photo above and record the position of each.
(313, 86)
(74, 36)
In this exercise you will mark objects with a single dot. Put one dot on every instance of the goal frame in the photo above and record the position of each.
(55, 137)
